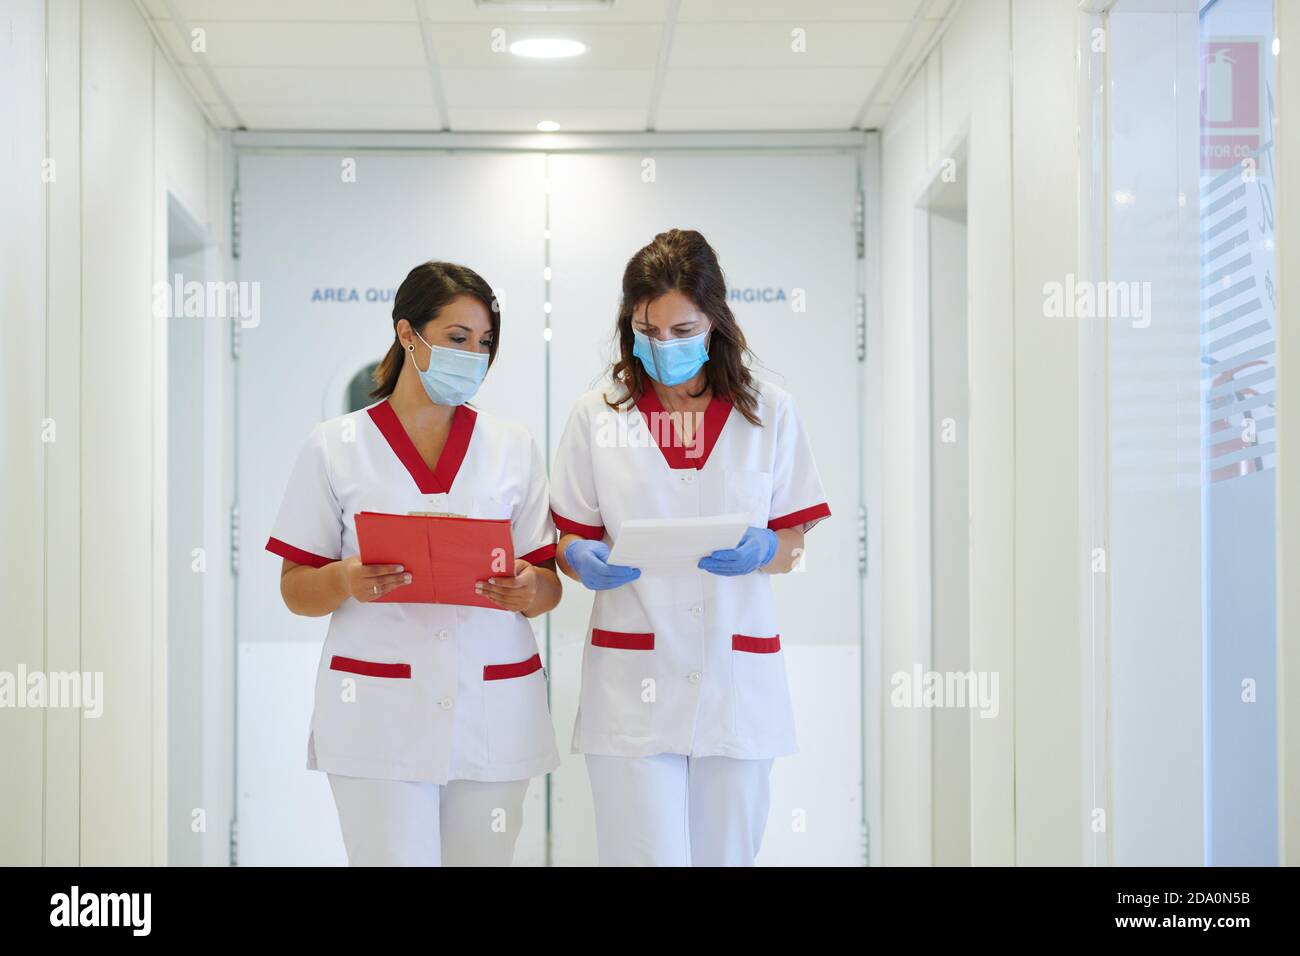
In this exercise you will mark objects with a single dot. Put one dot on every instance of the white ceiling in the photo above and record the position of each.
(427, 65)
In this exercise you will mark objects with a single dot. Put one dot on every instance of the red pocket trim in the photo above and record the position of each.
(507, 671)
(369, 668)
(755, 645)
(622, 640)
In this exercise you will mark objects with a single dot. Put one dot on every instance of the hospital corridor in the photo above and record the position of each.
(839, 434)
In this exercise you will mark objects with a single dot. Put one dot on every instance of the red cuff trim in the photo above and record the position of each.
(545, 553)
(507, 671)
(297, 555)
(755, 645)
(622, 640)
(592, 532)
(794, 519)
(369, 668)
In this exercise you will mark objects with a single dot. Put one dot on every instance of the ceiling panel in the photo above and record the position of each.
(770, 44)
(516, 88)
(797, 11)
(623, 11)
(337, 116)
(293, 11)
(689, 88)
(592, 119)
(719, 64)
(295, 86)
(244, 43)
(756, 118)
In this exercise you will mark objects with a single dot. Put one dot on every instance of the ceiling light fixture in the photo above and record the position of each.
(547, 48)
(548, 126)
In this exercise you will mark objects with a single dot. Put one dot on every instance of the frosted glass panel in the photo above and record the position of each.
(1190, 333)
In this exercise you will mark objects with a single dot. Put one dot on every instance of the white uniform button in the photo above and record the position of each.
(445, 703)
(695, 677)
(697, 611)
(444, 635)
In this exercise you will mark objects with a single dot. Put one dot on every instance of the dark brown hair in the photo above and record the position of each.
(425, 291)
(682, 260)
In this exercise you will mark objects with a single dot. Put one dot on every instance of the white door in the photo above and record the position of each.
(327, 255)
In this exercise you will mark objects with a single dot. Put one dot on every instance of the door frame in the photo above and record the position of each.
(865, 145)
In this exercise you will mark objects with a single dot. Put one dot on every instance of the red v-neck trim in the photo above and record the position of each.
(675, 452)
(441, 478)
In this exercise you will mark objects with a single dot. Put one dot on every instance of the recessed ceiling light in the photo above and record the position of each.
(548, 126)
(547, 48)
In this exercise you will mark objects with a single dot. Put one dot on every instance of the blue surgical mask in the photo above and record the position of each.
(672, 361)
(453, 375)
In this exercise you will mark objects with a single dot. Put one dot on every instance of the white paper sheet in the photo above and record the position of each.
(675, 545)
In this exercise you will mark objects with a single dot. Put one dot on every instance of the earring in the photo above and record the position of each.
(410, 348)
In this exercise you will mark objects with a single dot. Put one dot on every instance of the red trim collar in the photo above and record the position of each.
(440, 479)
(676, 452)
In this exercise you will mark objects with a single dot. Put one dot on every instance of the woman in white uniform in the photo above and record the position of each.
(430, 719)
(684, 702)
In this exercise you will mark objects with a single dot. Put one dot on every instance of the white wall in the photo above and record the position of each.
(89, 593)
(1027, 763)
(22, 407)
(1052, 817)
(950, 730)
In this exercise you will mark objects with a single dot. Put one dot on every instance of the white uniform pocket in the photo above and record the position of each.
(750, 493)
(517, 717)
(763, 714)
(619, 683)
(369, 710)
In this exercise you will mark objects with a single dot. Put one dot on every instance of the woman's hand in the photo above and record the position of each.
(589, 561)
(366, 582)
(511, 594)
(757, 548)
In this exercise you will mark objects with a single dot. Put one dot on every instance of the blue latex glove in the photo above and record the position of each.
(756, 548)
(588, 558)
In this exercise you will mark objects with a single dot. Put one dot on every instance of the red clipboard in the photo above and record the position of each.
(445, 555)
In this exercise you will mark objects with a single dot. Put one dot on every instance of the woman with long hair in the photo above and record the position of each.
(430, 719)
(684, 702)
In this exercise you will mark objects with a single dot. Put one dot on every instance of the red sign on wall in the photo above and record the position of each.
(1232, 101)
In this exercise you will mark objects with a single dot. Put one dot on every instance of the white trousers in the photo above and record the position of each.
(674, 810)
(403, 823)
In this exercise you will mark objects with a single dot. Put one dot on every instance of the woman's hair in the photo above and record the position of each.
(682, 260)
(425, 291)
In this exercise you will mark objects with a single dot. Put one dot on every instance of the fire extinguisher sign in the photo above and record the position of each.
(1232, 100)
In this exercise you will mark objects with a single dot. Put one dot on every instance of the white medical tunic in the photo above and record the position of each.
(689, 664)
(422, 692)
